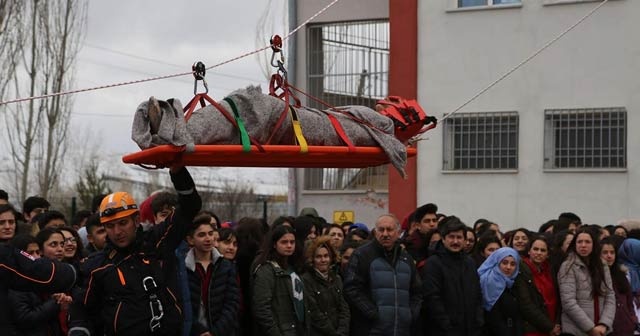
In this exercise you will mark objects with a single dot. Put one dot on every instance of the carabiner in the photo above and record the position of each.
(153, 283)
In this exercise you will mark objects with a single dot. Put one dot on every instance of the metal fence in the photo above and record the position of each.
(348, 64)
(346, 179)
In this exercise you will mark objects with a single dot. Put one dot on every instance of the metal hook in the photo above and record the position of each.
(199, 71)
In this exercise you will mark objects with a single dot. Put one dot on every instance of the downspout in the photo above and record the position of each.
(292, 195)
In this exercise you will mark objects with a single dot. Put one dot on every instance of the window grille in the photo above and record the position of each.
(481, 141)
(346, 179)
(347, 64)
(585, 138)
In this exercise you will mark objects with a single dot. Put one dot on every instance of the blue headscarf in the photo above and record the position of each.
(492, 280)
(629, 255)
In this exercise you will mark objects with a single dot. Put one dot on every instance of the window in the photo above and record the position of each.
(346, 179)
(585, 138)
(474, 3)
(348, 64)
(481, 141)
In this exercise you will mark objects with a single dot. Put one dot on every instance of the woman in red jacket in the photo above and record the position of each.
(537, 291)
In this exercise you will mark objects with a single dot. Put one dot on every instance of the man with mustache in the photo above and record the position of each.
(382, 285)
(131, 286)
(451, 287)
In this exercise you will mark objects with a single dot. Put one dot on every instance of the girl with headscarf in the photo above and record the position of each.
(497, 275)
(629, 256)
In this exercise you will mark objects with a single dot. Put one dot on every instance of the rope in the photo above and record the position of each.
(506, 74)
(56, 94)
(310, 19)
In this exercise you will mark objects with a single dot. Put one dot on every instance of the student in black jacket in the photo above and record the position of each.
(215, 296)
(452, 303)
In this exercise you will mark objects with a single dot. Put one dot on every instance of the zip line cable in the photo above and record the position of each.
(56, 94)
(157, 61)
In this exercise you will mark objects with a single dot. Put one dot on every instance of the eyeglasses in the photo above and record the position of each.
(70, 240)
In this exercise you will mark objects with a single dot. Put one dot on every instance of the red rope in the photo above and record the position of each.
(338, 110)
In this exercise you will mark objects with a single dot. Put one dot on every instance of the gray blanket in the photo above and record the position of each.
(158, 122)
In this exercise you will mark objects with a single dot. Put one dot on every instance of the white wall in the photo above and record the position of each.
(595, 65)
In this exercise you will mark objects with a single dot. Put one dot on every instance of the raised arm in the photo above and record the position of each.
(173, 230)
(21, 272)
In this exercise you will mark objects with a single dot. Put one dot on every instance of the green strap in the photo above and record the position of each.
(244, 136)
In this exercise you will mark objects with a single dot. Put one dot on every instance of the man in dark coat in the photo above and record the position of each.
(130, 287)
(382, 285)
(452, 303)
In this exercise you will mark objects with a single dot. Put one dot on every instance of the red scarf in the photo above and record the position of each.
(543, 280)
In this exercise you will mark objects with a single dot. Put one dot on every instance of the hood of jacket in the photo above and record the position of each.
(190, 259)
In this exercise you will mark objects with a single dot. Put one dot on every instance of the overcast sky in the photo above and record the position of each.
(131, 40)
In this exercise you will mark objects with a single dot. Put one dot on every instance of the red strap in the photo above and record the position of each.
(233, 121)
(201, 97)
(338, 127)
(279, 83)
(335, 109)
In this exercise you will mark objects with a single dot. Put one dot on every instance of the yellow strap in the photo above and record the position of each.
(297, 130)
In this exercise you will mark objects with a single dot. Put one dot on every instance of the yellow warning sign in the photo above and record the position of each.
(342, 216)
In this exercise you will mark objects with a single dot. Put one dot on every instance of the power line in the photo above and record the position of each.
(57, 94)
(157, 61)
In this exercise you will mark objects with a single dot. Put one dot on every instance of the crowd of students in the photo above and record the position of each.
(166, 267)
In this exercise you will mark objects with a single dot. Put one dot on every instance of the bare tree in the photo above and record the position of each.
(37, 130)
(64, 29)
(11, 12)
(91, 183)
(231, 200)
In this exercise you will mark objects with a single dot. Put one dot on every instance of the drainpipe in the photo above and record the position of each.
(292, 195)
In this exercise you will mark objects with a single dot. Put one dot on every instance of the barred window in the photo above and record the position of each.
(347, 64)
(585, 138)
(481, 141)
(346, 178)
